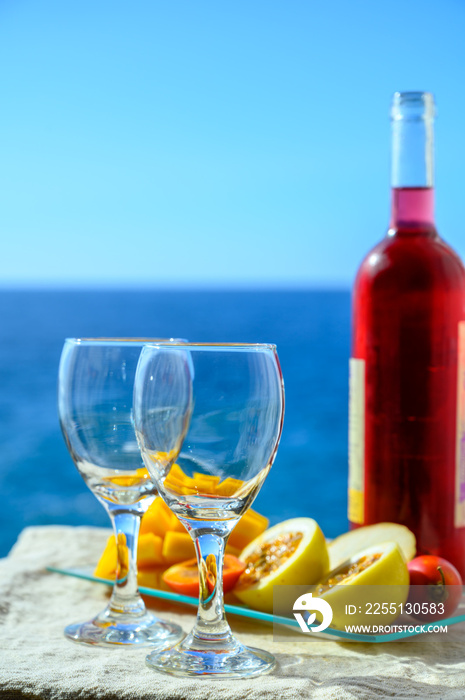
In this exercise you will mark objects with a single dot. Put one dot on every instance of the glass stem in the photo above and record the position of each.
(211, 624)
(125, 598)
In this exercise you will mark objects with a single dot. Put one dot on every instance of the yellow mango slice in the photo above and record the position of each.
(149, 555)
(232, 550)
(106, 566)
(178, 482)
(164, 541)
(176, 525)
(135, 479)
(179, 487)
(151, 578)
(250, 526)
(149, 551)
(158, 518)
(123, 556)
(162, 459)
(177, 473)
(177, 546)
(228, 487)
(206, 483)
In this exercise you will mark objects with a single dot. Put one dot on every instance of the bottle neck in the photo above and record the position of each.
(412, 159)
(412, 205)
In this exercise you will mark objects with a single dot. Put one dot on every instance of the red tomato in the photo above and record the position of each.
(183, 578)
(433, 582)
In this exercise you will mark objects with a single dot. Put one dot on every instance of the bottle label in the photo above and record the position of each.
(460, 447)
(356, 508)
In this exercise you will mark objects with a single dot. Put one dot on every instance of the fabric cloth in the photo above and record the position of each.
(36, 660)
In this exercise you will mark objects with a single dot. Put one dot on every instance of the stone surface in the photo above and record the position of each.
(36, 661)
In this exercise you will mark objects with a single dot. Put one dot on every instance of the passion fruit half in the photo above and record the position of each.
(289, 553)
(350, 543)
(368, 589)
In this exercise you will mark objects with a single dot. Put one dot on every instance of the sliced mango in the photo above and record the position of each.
(250, 526)
(199, 483)
(163, 539)
(158, 519)
(106, 566)
(149, 551)
(177, 546)
(135, 479)
(178, 482)
(206, 483)
(149, 555)
(151, 578)
(123, 555)
(161, 458)
(176, 525)
(228, 487)
(232, 550)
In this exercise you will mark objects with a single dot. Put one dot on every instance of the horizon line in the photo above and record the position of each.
(35, 287)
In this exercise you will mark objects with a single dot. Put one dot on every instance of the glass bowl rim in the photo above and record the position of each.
(169, 343)
(120, 340)
(212, 346)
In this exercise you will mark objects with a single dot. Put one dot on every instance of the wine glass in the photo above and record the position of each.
(95, 392)
(208, 420)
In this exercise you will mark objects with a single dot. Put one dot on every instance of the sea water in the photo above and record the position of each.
(39, 482)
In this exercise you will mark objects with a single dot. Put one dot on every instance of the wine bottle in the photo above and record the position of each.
(407, 371)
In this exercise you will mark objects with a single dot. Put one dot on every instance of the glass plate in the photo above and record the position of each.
(242, 611)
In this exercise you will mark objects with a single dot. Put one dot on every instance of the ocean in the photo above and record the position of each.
(39, 482)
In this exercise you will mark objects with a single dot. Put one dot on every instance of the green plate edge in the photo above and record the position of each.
(262, 616)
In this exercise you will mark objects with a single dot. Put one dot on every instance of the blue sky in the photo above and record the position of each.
(192, 142)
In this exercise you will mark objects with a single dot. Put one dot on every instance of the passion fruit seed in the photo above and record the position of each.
(290, 553)
(375, 578)
(268, 557)
(346, 546)
(347, 573)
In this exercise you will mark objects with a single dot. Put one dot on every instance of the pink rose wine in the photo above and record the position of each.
(407, 371)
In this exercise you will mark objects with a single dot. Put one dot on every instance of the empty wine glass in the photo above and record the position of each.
(95, 392)
(208, 420)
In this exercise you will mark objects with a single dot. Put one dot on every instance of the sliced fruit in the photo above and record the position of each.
(184, 578)
(347, 545)
(229, 487)
(176, 525)
(368, 589)
(206, 483)
(149, 551)
(149, 554)
(163, 539)
(178, 482)
(150, 578)
(250, 526)
(182, 484)
(233, 550)
(106, 566)
(291, 552)
(158, 519)
(177, 547)
(122, 566)
(137, 479)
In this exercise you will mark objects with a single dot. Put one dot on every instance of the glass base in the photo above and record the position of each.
(130, 630)
(193, 657)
